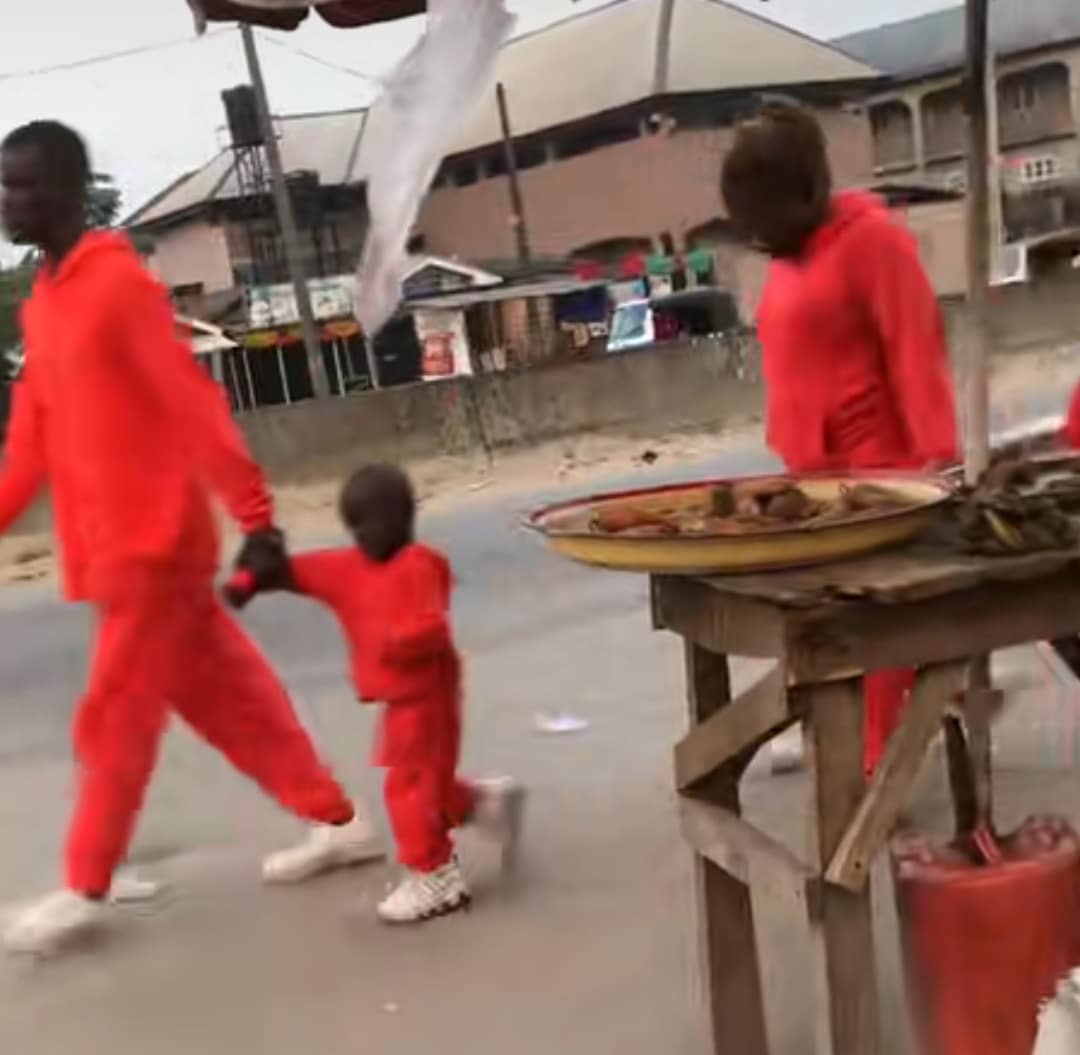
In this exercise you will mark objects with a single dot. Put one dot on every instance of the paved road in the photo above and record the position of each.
(593, 950)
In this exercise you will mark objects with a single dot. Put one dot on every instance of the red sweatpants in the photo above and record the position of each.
(885, 693)
(419, 742)
(164, 643)
(425, 804)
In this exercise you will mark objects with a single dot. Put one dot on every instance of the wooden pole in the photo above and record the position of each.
(517, 200)
(290, 236)
(976, 384)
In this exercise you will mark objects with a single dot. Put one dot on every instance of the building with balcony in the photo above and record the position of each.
(621, 117)
(918, 120)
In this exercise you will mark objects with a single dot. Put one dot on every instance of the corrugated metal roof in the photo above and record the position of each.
(935, 43)
(614, 56)
(325, 143)
(556, 287)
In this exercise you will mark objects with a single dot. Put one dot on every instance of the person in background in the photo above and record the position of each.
(854, 353)
(114, 412)
(391, 596)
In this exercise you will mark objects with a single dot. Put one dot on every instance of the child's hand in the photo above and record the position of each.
(262, 565)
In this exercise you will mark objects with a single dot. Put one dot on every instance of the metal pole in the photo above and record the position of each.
(253, 401)
(339, 362)
(976, 385)
(283, 373)
(320, 383)
(517, 202)
(997, 208)
(978, 703)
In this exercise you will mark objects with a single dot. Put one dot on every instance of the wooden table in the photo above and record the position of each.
(825, 627)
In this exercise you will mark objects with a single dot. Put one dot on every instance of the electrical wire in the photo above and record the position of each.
(311, 57)
(112, 56)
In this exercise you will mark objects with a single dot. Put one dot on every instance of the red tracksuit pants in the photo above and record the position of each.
(885, 694)
(165, 644)
(419, 743)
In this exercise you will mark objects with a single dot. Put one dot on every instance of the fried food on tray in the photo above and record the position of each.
(743, 507)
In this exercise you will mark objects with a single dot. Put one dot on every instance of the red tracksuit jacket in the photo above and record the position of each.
(855, 359)
(395, 617)
(116, 413)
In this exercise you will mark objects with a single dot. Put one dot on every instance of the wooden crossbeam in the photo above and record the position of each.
(737, 847)
(758, 715)
(890, 786)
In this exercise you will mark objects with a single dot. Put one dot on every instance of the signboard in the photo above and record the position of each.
(275, 305)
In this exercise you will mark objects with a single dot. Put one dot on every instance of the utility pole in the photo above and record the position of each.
(997, 209)
(976, 386)
(287, 220)
(517, 201)
(979, 698)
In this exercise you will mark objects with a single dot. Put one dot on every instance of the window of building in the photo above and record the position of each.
(595, 136)
(1039, 169)
(893, 128)
(1035, 103)
(943, 123)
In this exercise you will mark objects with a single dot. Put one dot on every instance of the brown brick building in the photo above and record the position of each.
(621, 118)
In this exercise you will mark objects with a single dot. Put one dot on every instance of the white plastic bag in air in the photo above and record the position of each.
(410, 127)
(1059, 1023)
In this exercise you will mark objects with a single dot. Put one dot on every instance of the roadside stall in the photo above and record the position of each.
(833, 579)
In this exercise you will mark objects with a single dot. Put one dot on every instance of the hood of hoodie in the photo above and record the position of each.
(94, 247)
(848, 207)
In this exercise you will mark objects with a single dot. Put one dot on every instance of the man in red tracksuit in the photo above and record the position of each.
(855, 359)
(391, 596)
(117, 416)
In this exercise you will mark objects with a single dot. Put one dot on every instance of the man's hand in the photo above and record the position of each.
(262, 565)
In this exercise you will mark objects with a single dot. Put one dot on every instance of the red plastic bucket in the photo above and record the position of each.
(986, 944)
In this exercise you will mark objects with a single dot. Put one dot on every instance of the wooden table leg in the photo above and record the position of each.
(729, 945)
(842, 922)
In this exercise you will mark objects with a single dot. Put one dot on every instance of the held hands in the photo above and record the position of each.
(262, 565)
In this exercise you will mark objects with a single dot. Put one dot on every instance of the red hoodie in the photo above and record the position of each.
(115, 412)
(855, 359)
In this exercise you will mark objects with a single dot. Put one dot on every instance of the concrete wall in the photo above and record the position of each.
(193, 252)
(699, 385)
(1045, 314)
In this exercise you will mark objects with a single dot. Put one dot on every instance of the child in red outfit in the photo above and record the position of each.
(391, 596)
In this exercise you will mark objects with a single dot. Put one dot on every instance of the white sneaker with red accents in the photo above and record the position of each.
(500, 814)
(54, 922)
(424, 895)
(325, 849)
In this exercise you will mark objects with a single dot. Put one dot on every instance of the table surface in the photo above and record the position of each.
(897, 576)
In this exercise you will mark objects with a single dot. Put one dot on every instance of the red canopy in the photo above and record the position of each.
(288, 14)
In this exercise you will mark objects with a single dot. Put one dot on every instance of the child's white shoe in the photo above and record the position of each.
(56, 921)
(424, 895)
(500, 814)
(326, 848)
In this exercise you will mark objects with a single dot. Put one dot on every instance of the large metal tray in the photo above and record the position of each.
(566, 526)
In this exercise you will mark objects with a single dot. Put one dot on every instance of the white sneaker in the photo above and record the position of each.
(424, 895)
(130, 889)
(500, 814)
(57, 920)
(326, 848)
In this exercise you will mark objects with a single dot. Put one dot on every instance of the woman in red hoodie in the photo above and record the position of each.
(855, 359)
(115, 414)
